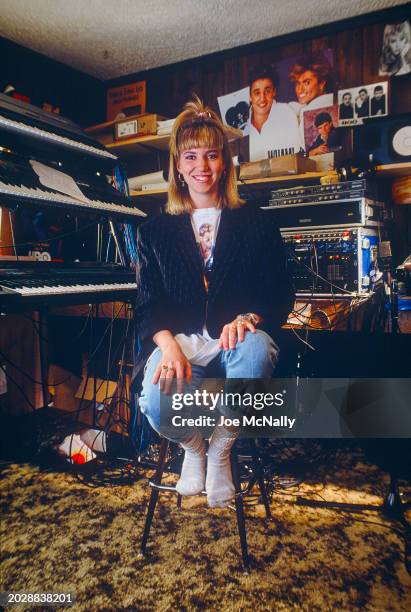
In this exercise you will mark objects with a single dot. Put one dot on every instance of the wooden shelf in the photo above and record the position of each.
(150, 193)
(140, 145)
(387, 170)
(393, 170)
(306, 176)
(263, 182)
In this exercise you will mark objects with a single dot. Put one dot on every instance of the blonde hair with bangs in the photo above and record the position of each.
(199, 126)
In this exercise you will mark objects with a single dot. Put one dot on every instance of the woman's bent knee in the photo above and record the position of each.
(149, 400)
(258, 355)
(157, 406)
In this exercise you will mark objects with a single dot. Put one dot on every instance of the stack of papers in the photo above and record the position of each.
(144, 182)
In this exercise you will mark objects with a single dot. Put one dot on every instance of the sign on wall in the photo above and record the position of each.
(126, 100)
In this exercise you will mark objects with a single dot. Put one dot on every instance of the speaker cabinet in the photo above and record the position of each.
(387, 140)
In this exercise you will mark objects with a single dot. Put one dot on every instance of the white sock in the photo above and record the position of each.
(219, 483)
(192, 477)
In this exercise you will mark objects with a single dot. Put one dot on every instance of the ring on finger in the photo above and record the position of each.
(164, 367)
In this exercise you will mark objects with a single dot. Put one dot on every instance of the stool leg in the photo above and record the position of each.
(260, 478)
(154, 493)
(239, 508)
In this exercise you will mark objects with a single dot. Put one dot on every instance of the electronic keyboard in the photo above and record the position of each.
(54, 176)
(36, 284)
(20, 119)
(39, 197)
(21, 186)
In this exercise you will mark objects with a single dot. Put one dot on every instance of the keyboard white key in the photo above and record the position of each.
(63, 289)
(28, 192)
(37, 132)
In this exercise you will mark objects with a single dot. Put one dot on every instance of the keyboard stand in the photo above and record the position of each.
(43, 352)
(91, 365)
(114, 233)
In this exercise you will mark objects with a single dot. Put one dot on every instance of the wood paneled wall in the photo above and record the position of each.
(79, 96)
(356, 45)
(19, 342)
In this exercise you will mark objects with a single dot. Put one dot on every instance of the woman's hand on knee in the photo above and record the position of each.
(235, 332)
(173, 365)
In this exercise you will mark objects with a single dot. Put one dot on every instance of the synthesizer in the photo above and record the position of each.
(29, 134)
(34, 285)
(25, 122)
(52, 177)
(20, 186)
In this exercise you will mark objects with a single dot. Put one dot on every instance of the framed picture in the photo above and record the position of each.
(359, 103)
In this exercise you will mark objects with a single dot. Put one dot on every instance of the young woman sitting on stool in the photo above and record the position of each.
(212, 292)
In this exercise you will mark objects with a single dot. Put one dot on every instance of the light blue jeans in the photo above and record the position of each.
(254, 358)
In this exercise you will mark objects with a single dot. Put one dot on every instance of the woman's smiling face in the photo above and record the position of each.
(202, 169)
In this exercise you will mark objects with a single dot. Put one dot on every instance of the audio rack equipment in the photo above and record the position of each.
(345, 204)
(323, 193)
(359, 212)
(334, 262)
(316, 199)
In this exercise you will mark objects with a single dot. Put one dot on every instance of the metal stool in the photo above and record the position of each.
(258, 477)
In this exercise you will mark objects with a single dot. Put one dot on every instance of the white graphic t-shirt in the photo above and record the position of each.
(200, 349)
(205, 223)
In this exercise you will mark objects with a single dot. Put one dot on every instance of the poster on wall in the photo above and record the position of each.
(273, 125)
(286, 73)
(280, 94)
(313, 77)
(235, 109)
(321, 132)
(395, 59)
(359, 103)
